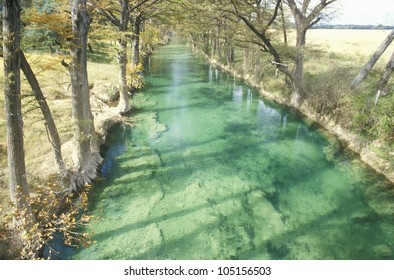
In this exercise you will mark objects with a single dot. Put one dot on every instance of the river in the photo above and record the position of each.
(212, 171)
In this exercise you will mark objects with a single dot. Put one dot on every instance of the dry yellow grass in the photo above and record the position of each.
(355, 46)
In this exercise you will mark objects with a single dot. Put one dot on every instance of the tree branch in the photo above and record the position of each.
(108, 15)
(275, 13)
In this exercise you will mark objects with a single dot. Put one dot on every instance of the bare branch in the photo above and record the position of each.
(278, 2)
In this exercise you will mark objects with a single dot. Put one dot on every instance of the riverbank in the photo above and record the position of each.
(373, 153)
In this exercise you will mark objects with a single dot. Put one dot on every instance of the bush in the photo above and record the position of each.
(376, 121)
(326, 91)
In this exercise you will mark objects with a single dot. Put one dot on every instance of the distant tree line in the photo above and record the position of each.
(353, 26)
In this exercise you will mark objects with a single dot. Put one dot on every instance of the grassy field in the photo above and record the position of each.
(351, 48)
(351, 43)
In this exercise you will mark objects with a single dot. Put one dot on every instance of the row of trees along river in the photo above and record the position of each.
(268, 37)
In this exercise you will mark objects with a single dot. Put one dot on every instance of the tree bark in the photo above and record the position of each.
(245, 64)
(219, 49)
(12, 105)
(50, 125)
(374, 58)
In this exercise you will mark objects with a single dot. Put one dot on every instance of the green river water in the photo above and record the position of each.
(212, 171)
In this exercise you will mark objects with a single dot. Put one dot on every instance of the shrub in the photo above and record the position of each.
(326, 91)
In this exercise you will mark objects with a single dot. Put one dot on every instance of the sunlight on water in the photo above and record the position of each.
(213, 172)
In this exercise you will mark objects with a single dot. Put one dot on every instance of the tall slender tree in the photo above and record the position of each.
(12, 100)
(86, 155)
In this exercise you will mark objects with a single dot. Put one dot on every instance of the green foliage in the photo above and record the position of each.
(35, 232)
(135, 79)
(375, 121)
(48, 24)
(45, 6)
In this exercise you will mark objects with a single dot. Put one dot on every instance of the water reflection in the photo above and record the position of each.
(118, 146)
(238, 94)
(249, 98)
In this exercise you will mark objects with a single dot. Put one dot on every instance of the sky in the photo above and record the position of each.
(364, 12)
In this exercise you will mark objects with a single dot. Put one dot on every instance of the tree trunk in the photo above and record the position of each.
(50, 125)
(12, 105)
(245, 61)
(385, 78)
(298, 71)
(84, 136)
(284, 29)
(305, 17)
(124, 103)
(374, 58)
(206, 44)
(257, 68)
(124, 100)
(213, 46)
(135, 39)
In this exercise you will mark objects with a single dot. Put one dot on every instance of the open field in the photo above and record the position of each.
(353, 43)
(347, 47)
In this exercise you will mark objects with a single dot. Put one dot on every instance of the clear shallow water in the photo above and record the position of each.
(211, 171)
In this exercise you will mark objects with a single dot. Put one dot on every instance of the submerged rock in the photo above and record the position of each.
(364, 217)
(383, 251)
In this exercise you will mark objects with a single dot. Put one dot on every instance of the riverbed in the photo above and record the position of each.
(213, 171)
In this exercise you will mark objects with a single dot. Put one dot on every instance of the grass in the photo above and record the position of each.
(352, 44)
(330, 72)
(54, 81)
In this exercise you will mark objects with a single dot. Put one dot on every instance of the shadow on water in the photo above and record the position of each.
(279, 246)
